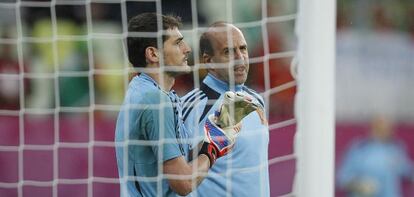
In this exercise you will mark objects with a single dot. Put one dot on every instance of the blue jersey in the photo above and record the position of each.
(382, 164)
(149, 131)
(244, 171)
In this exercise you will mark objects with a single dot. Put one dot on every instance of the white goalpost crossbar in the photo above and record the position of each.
(314, 140)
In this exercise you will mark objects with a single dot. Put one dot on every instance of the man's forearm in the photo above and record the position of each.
(193, 172)
(203, 165)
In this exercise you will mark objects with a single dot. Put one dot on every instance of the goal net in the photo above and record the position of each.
(64, 72)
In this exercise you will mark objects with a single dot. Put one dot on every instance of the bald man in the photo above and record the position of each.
(244, 171)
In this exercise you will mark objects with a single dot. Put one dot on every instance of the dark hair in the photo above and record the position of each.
(205, 40)
(147, 22)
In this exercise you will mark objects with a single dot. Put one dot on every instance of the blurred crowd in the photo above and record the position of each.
(71, 61)
(376, 15)
(375, 49)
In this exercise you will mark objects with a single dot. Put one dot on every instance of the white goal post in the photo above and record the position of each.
(314, 140)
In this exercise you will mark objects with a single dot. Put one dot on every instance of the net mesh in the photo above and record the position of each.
(64, 71)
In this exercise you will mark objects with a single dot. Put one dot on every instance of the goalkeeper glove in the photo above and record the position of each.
(222, 127)
(235, 107)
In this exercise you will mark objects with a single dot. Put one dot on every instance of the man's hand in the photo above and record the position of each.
(222, 127)
(234, 108)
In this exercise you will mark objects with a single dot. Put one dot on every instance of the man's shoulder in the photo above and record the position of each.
(191, 101)
(192, 95)
(252, 91)
(255, 94)
(145, 93)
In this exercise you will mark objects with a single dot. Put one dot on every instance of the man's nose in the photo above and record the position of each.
(237, 54)
(187, 48)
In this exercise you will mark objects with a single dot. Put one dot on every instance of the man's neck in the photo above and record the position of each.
(165, 81)
(221, 85)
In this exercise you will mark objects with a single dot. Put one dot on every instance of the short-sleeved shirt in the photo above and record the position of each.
(381, 163)
(244, 171)
(149, 131)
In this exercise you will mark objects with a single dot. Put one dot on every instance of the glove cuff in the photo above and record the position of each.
(211, 152)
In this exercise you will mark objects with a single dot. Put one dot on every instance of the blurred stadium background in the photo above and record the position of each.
(63, 72)
(374, 69)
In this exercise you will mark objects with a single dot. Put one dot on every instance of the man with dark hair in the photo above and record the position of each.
(150, 135)
(147, 23)
(244, 171)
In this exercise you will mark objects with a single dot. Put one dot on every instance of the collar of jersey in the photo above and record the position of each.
(149, 79)
(219, 85)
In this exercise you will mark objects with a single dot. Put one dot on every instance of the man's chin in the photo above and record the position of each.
(181, 71)
(240, 81)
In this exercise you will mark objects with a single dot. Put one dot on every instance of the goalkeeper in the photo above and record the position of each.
(244, 171)
(150, 134)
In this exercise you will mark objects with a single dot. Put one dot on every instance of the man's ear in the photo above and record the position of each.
(206, 58)
(151, 54)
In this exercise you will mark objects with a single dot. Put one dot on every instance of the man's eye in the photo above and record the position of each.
(180, 42)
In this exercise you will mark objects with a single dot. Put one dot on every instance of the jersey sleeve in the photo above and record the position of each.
(194, 103)
(195, 124)
(161, 132)
(348, 168)
(405, 165)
